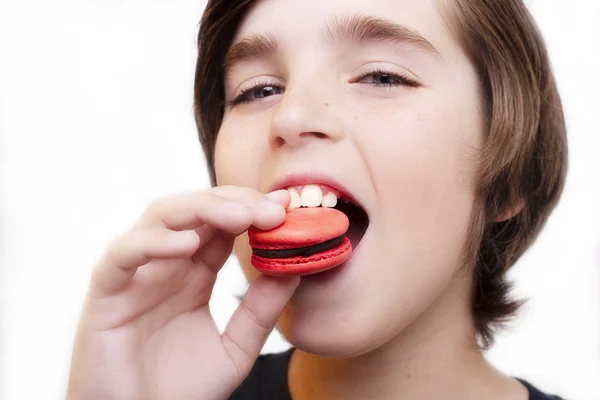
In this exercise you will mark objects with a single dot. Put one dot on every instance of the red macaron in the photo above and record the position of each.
(310, 240)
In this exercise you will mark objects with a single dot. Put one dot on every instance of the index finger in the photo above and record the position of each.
(230, 209)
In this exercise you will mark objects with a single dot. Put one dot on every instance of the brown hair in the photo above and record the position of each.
(524, 156)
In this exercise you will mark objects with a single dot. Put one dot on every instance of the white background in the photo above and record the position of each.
(96, 121)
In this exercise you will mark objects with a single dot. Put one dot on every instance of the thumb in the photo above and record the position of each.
(251, 323)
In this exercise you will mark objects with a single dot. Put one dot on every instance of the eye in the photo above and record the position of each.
(256, 93)
(384, 79)
(381, 78)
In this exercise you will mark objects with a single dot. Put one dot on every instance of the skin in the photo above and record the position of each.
(146, 331)
(396, 322)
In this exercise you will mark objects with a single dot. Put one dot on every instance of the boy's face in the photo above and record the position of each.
(340, 106)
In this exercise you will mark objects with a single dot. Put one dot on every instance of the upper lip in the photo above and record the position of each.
(315, 178)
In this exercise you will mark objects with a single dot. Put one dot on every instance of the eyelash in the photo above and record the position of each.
(403, 80)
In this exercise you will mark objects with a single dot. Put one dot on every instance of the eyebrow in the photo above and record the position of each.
(363, 29)
(253, 47)
(354, 28)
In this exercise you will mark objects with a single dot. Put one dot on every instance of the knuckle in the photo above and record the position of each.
(113, 248)
(246, 358)
(124, 243)
(254, 318)
(157, 206)
(116, 246)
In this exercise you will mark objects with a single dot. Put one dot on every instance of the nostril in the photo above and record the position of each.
(296, 139)
(279, 141)
(319, 135)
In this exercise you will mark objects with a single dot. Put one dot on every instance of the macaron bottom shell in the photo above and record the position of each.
(297, 266)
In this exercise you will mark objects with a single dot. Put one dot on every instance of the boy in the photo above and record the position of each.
(439, 130)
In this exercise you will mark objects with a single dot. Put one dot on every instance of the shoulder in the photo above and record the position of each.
(267, 379)
(536, 394)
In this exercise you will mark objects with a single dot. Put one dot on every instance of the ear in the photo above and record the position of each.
(510, 212)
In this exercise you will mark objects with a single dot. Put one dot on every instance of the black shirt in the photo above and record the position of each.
(268, 381)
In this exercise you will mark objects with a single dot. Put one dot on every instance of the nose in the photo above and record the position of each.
(304, 114)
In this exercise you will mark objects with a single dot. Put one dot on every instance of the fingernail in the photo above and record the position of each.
(276, 195)
(270, 206)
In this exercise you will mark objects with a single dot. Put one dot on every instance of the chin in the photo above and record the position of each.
(332, 334)
(323, 342)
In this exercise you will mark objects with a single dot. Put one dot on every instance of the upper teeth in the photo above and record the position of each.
(329, 200)
(295, 198)
(311, 196)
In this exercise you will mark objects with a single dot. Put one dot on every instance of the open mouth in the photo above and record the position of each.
(359, 220)
(315, 195)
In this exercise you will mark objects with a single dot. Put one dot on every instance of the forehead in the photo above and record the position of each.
(298, 22)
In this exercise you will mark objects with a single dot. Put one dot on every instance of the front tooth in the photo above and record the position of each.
(294, 199)
(312, 196)
(329, 200)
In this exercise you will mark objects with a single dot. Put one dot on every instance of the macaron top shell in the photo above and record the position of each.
(302, 227)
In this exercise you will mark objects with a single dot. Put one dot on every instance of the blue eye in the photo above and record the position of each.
(381, 78)
(256, 93)
(384, 79)
(265, 91)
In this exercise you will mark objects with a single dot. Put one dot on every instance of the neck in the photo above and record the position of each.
(435, 357)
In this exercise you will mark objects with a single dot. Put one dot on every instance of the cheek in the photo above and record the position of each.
(421, 159)
(240, 147)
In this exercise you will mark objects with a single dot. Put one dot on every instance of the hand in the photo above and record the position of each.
(146, 331)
